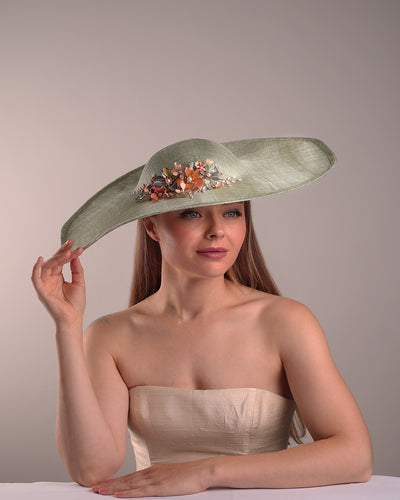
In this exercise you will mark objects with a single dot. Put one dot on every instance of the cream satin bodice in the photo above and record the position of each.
(169, 424)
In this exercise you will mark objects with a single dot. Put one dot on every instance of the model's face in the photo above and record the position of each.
(202, 241)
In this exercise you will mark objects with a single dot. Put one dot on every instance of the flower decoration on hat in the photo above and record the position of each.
(184, 180)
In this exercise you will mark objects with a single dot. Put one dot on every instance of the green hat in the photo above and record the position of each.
(199, 172)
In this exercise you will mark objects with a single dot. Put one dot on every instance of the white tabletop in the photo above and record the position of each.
(378, 487)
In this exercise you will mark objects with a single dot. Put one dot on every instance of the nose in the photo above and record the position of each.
(215, 229)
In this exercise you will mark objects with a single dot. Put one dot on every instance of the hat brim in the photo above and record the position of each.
(268, 166)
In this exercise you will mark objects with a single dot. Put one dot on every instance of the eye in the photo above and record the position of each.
(190, 214)
(234, 213)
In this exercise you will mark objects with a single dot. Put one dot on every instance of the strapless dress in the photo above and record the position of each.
(169, 424)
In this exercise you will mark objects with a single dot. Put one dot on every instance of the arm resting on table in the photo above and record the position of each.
(341, 451)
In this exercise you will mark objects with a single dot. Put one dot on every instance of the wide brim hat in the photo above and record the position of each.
(199, 172)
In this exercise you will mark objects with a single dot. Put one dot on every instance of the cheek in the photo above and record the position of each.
(173, 234)
(241, 234)
(174, 238)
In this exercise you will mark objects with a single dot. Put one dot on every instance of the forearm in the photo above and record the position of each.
(323, 462)
(84, 439)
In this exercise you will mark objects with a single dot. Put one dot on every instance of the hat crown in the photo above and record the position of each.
(184, 152)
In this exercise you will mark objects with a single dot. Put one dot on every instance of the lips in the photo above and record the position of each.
(212, 249)
(213, 252)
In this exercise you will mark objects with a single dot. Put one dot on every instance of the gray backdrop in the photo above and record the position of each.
(91, 88)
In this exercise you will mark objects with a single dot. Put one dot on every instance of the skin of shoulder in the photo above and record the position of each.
(299, 336)
(117, 320)
(303, 349)
(291, 322)
(107, 332)
(102, 333)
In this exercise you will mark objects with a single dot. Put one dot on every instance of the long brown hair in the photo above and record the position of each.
(249, 269)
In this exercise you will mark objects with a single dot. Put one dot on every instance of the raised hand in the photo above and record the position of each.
(64, 301)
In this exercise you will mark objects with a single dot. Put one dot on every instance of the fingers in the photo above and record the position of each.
(143, 491)
(64, 254)
(125, 484)
(65, 246)
(77, 275)
(118, 483)
(36, 272)
(53, 266)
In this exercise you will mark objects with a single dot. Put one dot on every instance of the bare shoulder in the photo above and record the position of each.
(105, 324)
(284, 316)
(109, 330)
(291, 323)
(286, 311)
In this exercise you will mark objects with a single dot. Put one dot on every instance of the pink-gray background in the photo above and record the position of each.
(90, 89)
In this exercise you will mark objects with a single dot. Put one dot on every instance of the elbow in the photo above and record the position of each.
(353, 460)
(363, 475)
(363, 463)
(366, 469)
(89, 477)
(89, 472)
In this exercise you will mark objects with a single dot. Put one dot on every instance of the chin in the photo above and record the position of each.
(211, 273)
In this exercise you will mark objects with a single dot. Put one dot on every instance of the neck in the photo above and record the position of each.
(187, 297)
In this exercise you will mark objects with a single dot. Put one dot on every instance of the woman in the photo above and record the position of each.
(209, 361)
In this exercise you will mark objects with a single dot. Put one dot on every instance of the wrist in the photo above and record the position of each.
(67, 323)
(69, 330)
(212, 472)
